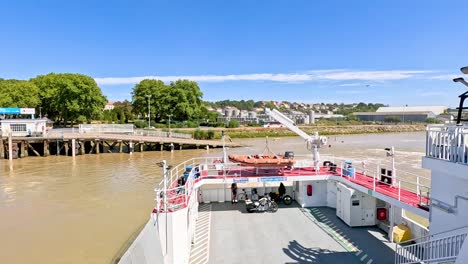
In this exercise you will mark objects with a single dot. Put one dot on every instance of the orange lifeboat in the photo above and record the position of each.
(262, 160)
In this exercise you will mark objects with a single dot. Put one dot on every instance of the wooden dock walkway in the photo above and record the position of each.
(71, 144)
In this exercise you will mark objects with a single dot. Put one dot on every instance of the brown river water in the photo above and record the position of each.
(88, 208)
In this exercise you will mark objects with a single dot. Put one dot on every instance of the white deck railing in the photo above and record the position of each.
(213, 167)
(432, 249)
(151, 133)
(106, 128)
(126, 129)
(447, 142)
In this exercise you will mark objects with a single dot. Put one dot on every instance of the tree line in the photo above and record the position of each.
(69, 98)
(63, 97)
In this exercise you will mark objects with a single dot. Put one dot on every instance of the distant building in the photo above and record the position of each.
(109, 106)
(420, 116)
(24, 127)
(402, 113)
(437, 110)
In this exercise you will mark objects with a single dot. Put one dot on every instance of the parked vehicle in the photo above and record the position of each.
(264, 204)
(273, 124)
(286, 199)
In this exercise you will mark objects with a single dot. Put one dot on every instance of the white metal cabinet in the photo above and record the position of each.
(355, 208)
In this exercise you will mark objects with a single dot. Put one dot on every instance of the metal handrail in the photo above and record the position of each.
(447, 143)
(439, 249)
(230, 169)
(436, 234)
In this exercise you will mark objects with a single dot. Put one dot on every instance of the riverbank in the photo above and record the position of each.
(254, 132)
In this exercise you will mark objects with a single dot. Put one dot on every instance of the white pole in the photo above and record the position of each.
(393, 165)
(417, 186)
(149, 110)
(169, 126)
(224, 147)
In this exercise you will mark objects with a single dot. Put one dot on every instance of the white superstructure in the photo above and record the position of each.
(356, 195)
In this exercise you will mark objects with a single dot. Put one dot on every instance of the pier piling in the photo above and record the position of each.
(73, 147)
(65, 145)
(96, 145)
(10, 147)
(13, 147)
(120, 146)
(46, 148)
(2, 149)
(141, 146)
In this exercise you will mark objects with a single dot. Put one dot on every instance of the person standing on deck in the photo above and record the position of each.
(281, 190)
(234, 192)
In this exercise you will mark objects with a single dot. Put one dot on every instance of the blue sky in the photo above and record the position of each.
(395, 52)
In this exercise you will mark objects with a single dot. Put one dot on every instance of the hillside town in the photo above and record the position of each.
(307, 113)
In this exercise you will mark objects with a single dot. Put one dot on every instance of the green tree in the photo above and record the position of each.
(352, 117)
(233, 124)
(182, 99)
(15, 93)
(124, 108)
(69, 97)
(151, 90)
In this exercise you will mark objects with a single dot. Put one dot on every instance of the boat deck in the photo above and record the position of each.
(291, 235)
(178, 200)
(409, 197)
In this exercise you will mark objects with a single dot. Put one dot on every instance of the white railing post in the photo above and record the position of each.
(158, 200)
(373, 182)
(341, 169)
(377, 176)
(399, 190)
(417, 186)
(186, 194)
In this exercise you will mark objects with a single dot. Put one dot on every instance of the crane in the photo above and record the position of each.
(313, 142)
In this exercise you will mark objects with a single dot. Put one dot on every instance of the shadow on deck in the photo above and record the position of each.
(282, 237)
(370, 240)
(300, 254)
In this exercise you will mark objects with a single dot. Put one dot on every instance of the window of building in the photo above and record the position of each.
(18, 127)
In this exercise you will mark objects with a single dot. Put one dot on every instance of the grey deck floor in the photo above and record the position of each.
(371, 240)
(286, 236)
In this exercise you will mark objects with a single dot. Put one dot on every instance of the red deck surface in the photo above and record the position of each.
(406, 196)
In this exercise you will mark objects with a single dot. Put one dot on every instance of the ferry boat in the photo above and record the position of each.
(345, 212)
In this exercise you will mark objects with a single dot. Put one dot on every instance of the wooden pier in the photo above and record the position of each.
(72, 144)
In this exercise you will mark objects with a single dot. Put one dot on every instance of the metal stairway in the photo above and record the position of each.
(199, 253)
(442, 247)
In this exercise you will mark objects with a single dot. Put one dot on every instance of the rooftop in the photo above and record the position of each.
(394, 113)
(391, 109)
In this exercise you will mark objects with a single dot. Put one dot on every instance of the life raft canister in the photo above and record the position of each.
(309, 190)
